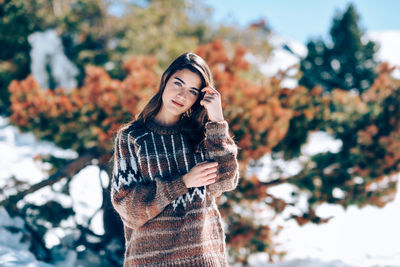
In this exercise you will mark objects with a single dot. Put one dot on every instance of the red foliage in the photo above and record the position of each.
(255, 108)
(86, 116)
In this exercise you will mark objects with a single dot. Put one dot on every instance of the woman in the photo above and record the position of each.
(169, 166)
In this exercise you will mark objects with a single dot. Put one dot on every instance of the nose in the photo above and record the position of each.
(182, 93)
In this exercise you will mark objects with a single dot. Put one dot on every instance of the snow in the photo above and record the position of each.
(360, 237)
(389, 42)
(308, 262)
(86, 194)
(47, 49)
(14, 247)
(280, 58)
(325, 143)
(18, 150)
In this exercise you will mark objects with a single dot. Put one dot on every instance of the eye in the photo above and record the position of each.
(178, 83)
(194, 92)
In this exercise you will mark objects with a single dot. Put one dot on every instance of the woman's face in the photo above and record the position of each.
(180, 92)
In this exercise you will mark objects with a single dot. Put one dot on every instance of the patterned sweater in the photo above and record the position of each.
(166, 223)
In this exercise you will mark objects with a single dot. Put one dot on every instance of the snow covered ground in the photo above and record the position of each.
(13, 250)
(356, 237)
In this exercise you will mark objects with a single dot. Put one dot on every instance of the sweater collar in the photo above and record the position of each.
(159, 128)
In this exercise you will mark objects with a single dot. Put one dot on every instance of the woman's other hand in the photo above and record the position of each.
(204, 173)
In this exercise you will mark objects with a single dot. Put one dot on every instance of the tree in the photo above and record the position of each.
(20, 18)
(162, 29)
(347, 63)
(17, 21)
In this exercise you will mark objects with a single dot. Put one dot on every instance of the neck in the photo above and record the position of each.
(166, 120)
(161, 128)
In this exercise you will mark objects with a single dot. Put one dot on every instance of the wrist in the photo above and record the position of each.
(184, 180)
(217, 119)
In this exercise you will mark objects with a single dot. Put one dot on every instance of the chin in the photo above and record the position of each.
(176, 113)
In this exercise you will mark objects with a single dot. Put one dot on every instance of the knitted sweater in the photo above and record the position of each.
(166, 223)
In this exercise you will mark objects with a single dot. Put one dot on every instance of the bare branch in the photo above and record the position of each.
(277, 181)
(69, 170)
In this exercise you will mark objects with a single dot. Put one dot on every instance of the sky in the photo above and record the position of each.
(302, 20)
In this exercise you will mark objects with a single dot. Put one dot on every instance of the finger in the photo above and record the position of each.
(206, 89)
(209, 90)
(207, 162)
(203, 102)
(213, 90)
(210, 176)
(209, 171)
(210, 164)
(207, 166)
(210, 181)
(203, 167)
(208, 98)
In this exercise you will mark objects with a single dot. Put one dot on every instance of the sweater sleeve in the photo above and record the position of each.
(221, 148)
(138, 201)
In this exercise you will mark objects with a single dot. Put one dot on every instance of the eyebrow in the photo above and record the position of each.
(184, 83)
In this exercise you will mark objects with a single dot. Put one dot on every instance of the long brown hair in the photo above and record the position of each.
(193, 122)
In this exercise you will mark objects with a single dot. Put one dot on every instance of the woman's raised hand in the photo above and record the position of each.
(204, 173)
(212, 103)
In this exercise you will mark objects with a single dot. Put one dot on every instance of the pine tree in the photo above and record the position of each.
(347, 63)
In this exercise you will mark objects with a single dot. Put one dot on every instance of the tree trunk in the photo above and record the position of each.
(113, 226)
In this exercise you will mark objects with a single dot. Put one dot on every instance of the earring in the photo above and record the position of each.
(188, 113)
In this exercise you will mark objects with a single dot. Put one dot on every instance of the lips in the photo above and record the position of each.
(177, 103)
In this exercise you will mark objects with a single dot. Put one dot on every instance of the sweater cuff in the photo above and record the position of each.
(178, 188)
(217, 128)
